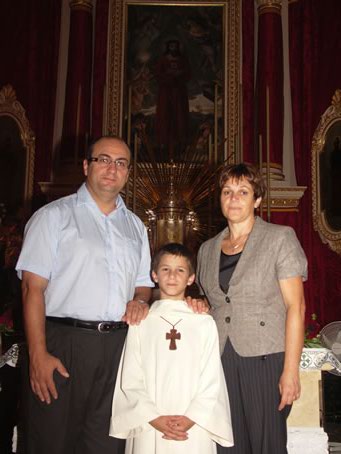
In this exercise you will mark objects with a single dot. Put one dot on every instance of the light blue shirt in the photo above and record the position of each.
(93, 262)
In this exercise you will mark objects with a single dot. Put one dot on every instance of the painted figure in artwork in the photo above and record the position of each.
(172, 73)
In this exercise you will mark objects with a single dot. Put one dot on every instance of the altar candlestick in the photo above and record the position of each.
(268, 153)
(135, 172)
(86, 142)
(210, 148)
(79, 98)
(241, 122)
(260, 169)
(215, 123)
(104, 113)
(129, 116)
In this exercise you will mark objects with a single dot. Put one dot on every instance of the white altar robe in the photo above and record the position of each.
(153, 380)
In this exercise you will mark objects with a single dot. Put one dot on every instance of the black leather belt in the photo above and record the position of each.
(102, 327)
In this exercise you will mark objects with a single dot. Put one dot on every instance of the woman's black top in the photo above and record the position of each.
(227, 265)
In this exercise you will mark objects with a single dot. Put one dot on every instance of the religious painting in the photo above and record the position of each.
(174, 75)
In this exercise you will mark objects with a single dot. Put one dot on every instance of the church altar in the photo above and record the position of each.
(305, 433)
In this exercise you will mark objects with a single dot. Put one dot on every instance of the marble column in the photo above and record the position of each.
(270, 101)
(76, 121)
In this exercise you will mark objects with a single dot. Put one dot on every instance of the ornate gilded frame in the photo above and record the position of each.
(113, 121)
(320, 143)
(11, 107)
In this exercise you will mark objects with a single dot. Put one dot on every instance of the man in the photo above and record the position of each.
(85, 275)
(172, 73)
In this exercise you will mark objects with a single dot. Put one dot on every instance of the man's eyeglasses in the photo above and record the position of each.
(104, 161)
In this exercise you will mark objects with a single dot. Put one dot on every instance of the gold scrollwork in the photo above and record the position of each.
(11, 107)
(269, 6)
(326, 186)
(85, 5)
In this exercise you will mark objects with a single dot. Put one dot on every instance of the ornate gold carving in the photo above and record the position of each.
(117, 18)
(269, 6)
(11, 107)
(336, 101)
(284, 198)
(332, 115)
(115, 67)
(232, 41)
(176, 200)
(84, 5)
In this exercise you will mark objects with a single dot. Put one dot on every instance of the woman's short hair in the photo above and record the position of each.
(240, 171)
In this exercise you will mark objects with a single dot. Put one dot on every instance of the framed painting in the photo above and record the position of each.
(173, 76)
(17, 149)
(326, 171)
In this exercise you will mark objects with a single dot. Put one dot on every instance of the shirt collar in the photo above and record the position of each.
(84, 198)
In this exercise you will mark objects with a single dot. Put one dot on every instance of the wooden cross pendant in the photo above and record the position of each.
(173, 335)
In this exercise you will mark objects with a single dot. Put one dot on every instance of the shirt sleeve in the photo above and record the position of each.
(40, 244)
(291, 260)
(143, 276)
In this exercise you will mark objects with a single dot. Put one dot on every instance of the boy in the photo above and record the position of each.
(170, 394)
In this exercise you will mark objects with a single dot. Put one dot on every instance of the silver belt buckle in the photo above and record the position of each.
(103, 327)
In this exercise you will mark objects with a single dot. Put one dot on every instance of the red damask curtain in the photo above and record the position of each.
(99, 71)
(29, 46)
(315, 68)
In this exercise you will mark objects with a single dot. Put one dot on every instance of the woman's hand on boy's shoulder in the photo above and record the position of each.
(198, 305)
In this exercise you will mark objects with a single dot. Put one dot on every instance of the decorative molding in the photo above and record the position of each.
(284, 198)
(327, 233)
(269, 6)
(115, 67)
(116, 62)
(232, 56)
(10, 106)
(84, 5)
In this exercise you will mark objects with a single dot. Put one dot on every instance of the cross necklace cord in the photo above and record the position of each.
(173, 335)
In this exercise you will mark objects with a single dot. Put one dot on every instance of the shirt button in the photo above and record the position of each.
(264, 357)
(262, 323)
(227, 319)
(227, 299)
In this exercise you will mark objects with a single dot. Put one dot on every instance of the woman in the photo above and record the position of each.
(252, 273)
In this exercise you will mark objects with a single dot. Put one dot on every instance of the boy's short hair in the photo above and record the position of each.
(176, 249)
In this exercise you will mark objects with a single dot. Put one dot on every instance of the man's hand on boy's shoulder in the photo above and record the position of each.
(170, 428)
(199, 305)
(136, 311)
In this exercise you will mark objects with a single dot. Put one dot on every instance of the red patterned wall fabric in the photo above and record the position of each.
(29, 46)
(315, 67)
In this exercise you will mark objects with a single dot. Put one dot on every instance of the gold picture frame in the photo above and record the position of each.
(18, 143)
(115, 94)
(326, 171)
